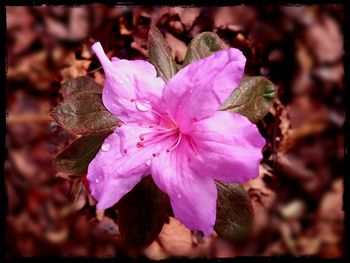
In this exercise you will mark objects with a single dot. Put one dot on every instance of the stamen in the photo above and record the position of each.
(193, 147)
(161, 116)
(159, 136)
(154, 154)
(177, 142)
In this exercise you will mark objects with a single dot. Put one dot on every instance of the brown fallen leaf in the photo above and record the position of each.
(21, 33)
(241, 16)
(262, 198)
(187, 15)
(76, 69)
(178, 47)
(155, 251)
(324, 40)
(76, 29)
(176, 239)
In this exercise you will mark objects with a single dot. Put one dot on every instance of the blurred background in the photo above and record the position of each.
(297, 198)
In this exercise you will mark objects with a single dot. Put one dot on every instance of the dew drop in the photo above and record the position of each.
(143, 106)
(179, 196)
(148, 163)
(97, 181)
(120, 81)
(105, 147)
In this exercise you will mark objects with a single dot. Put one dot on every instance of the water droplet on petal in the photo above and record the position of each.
(148, 163)
(105, 147)
(120, 81)
(179, 196)
(143, 105)
(97, 181)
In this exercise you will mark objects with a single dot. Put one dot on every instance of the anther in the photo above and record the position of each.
(154, 154)
(140, 144)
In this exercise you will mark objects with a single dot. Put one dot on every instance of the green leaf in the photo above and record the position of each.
(203, 45)
(234, 213)
(75, 158)
(78, 85)
(159, 54)
(85, 114)
(142, 213)
(253, 98)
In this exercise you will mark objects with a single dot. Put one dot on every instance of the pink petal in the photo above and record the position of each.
(229, 148)
(193, 196)
(114, 171)
(106, 185)
(132, 88)
(197, 90)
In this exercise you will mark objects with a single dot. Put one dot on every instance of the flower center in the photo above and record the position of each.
(159, 134)
(167, 129)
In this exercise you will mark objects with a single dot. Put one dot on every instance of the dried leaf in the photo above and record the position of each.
(176, 239)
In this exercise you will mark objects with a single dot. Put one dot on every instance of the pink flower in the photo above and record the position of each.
(175, 132)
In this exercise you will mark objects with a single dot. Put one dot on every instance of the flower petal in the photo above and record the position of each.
(192, 196)
(229, 147)
(197, 90)
(132, 88)
(114, 172)
(107, 186)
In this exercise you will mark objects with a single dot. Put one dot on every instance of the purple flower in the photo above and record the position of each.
(175, 132)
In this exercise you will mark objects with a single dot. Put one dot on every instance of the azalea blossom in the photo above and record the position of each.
(175, 132)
